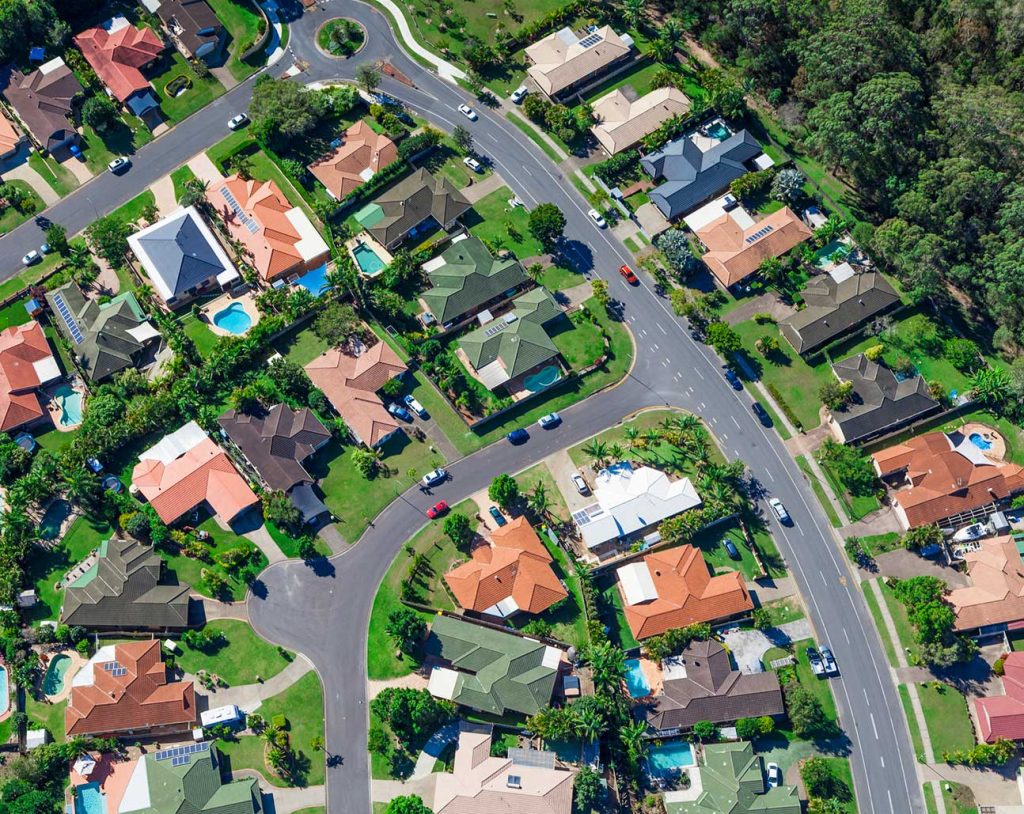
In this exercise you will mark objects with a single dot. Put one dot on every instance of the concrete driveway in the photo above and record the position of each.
(749, 645)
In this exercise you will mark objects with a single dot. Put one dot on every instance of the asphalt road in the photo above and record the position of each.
(325, 613)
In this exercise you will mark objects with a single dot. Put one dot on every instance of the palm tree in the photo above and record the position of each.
(538, 499)
(652, 437)
(608, 665)
(616, 452)
(633, 12)
(632, 735)
(672, 32)
(598, 452)
(632, 435)
(83, 488)
(687, 422)
(589, 724)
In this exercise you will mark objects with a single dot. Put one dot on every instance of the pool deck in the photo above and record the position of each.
(248, 302)
(374, 245)
(54, 408)
(997, 452)
(76, 664)
(111, 774)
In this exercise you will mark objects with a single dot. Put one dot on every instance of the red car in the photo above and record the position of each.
(437, 509)
(627, 272)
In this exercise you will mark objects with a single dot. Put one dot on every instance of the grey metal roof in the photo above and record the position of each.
(180, 252)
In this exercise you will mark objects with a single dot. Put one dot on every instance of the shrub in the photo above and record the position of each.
(999, 665)
(963, 354)
(874, 353)
(279, 721)
(764, 318)
(836, 394)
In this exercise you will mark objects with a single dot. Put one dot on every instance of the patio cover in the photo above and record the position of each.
(306, 501)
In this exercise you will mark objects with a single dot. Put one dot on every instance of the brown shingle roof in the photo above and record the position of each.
(42, 99)
(735, 253)
(996, 593)
(192, 21)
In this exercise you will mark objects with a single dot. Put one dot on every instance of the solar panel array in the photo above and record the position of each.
(180, 755)
(535, 758)
(69, 320)
(759, 234)
(590, 40)
(244, 219)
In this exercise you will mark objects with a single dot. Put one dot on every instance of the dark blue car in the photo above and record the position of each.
(733, 379)
(518, 436)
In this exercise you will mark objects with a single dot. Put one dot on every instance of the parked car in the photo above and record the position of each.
(828, 661)
(580, 484)
(595, 216)
(399, 411)
(519, 94)
(468, 112)
(550, 421)
(119, 165)
(236, 122)
(518, 436)
(733, 379)
(434, 477)
(815, 661)
(774, 775)
(780, 511)
(473, 164)
(628, 275)
(730, 549)
(499, 518)
(45, 249)
(762, 414)
(437, 509)
(930, 551)
(415, 406)
(31, 258)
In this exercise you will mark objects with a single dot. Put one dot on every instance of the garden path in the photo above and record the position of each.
(286, 800)
(249, 697)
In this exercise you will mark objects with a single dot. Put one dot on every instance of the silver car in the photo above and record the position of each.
(434, 477)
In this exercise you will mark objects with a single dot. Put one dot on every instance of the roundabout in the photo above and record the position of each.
(340, 38)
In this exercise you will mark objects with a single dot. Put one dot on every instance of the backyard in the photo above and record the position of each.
(47, 565)
(239, 656)
(612, 614)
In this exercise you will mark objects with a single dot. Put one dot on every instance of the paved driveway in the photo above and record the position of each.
(749, 645)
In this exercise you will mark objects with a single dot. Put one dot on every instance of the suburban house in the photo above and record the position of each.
(123, 691)
(623, 119)
(350, 378)
(181, 257)
(277, 239)
(10, 137)
(629, 503)
(732, 778)
(417, 205)
(837, 303)
(276, 444)
(359, 156)
(487, 670)
(26, 364)
(736, 245)
(507, 351)
(694, 169)
(700, 685)
(42, 100)
(994, 601)
(193, 26)
(881, 402)
(186, 470)
(467, 282)
(107, 337)
(944, 478)
(564, 61)
(509, 574)
(1002, 716)
(673, 588)
(118, 52)
(123, 590)
(525, 781)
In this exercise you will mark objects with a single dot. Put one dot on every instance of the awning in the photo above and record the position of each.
(143, 331)
(84, 765)
(306, 500)
(227, 276)
(442, 683)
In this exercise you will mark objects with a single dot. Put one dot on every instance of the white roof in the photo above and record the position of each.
(143, 331)
(552, 657)
(52, 65)
(136, 793)
(506, 607)
(442, 683)
(672, 668)
(310, 244)
(636, 582)
(712, 211)
(175, 445)
(764, 161)
(220, 715)
(844, 271)
(46, 369)
(84, 677)
(34, 738)
(433, 264)
(170, 645)
(227, 276)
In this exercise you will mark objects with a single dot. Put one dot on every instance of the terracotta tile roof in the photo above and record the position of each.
(117, 56)
(945, 474)
(358, 158)
(735, 253)
(26, 362)
(1002, 716)
(515, 565)
(10, 138)
(685, 593)
(350, 382)
(277, 237)
(996, 592)
(132, 697)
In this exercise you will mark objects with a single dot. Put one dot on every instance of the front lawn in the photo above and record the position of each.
(60, 178)
(496, 223)
(244, 25)
(782, 611)
(711, 542)
(857, 506)
(876, 614)
(555, 278)
(819, 491)
(841, 769)
(14, 314)
(904, 630)
(11, 217)
(819, 687)
(126, 136)
(290, 546)
(915, 732)
(238, 658)
(540, 473)
(46, 566)
(179, 177)
(197, 94)
(947, 718)
(189, 571)
(876, 544)
(579, 341)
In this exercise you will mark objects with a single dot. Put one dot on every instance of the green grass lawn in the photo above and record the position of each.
(540, 473)
(199, 332)
(710, 542)
(238, 659)
(290, 546)
(430, 540)
(189, 570)
(14, 314)
(958, 798)
(857, 506)
(46, 566)
(60, 178)
(198, 95)
(883, 631)
(819, 687)
(179, 177)
(131, 211)
(43, 715)
(534, 136)
(493, 221)
(243, 23)
(819, 491)
(876, 544)
(841, 769)
(301, 347)
(126, 136)
(612, 614)
(782, 611)
(229, 145)
(947, 718)
(556, 278)
(640, 78)
(580, 343)
(915, 732)
(11, 217)
(904, 630)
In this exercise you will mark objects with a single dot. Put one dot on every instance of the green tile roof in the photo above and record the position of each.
(469, 277)
(195, 787)
(499, 672)
(733, 782)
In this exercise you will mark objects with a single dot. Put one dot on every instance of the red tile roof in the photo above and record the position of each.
(734, 253)
(137, 700)
(996, 592)
(117, 57)
(361, 154)
(10, 138)
(1002, 716)
(21, 347)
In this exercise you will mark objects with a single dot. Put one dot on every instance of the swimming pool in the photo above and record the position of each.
(70, 402)
(54, 517)
(367, 259)
(668, 758)
(718, 131)
(315, 281)
(636, 681)
(543, 378)
(824, 255)
(234, 319)
(979, 441)
(89, 799)
(56, 674)
(5, 700)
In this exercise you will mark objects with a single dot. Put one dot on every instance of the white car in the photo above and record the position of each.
(780, 511)
(473, 164)
(435, 477)
(237, 121)
(550, 420)
(774, 775)
(468, 112)
(519, 94)
(119, 164)
(975, 531)
(31, 258)
(415, 406)
(580, 484)
(595, 216)
(514, 201)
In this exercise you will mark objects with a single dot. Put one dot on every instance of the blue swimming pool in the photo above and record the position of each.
(668, 758)
(315, 281)
(980, 441)
(543, 378)
(5, 700)
(636, 681)
(89, 799)
(234, 319)
(70, 402)
(367, 259)
(53, 519)
(718, 131)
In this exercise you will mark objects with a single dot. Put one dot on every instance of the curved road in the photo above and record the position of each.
(325, 614)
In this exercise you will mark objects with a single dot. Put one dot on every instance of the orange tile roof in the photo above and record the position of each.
(943, 481)
(139, 700)
(996, 592)
(516, 564)
(203, 473)
(21, 347)
(1002, 716)
(9, 135)
(117, 57)
(361, 152)
(686, 593)
(350, 383)
(732, 252)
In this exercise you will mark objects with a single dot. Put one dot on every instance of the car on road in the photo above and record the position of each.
(519, 94)
(473, 164)
(828, 661)
(733, 379)
(518, 436)
(595, 216)
(399, 411)
(780, 511)
(730, 549)
(31, 258)
(437, 509)
(550, 421)
(762, 414)
(415, 406)
(434, 477)
(468, 112)
(774, 775)
(580, 484)
(817, 667)
(119, 165)
(628, 275)
(236, 122)
(499, 518)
